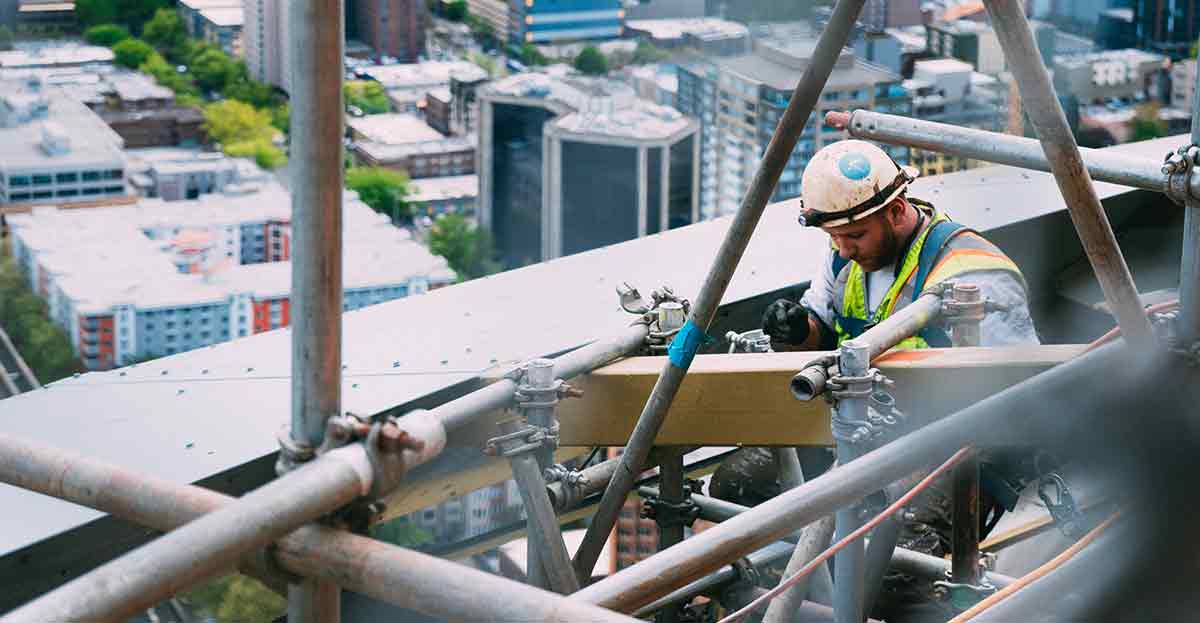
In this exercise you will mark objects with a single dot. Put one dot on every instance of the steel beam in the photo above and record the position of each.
(1091, 223)
(804, 98)
(996, 147)
(1012, 415)
(741, 399)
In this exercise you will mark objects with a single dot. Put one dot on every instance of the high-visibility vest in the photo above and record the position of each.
(942, 251)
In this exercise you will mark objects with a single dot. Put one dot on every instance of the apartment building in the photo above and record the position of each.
(155, 279)
(739, 101)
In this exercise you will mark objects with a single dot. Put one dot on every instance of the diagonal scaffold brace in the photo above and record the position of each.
(694, 332)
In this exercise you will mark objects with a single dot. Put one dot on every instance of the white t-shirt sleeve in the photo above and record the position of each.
(819, 296)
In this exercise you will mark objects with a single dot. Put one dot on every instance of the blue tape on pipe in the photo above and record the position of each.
(683, 348)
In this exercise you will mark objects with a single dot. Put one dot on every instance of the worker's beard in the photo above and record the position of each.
(889, 248)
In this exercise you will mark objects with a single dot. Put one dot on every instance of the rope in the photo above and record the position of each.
(1041, 571)
(848, 539)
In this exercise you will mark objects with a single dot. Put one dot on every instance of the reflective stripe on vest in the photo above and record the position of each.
(852, 319)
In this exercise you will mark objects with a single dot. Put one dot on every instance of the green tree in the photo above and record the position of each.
(213, 70)
(281, 118)
(236, 598)
(485, 63)
(106, 35)
(647, 53)
(165, 31)
(132, 53)
(131, 14)
(231, 122)
(43, 345)
(456, 11)
(591, 61)
(243, 87)
(382, 189)
(401, 531)
(366, 95)
(466, 247)
(1147, 124)
(531, 55)
(264, 153)
(482, 30)
(6, 39)
(168, 75)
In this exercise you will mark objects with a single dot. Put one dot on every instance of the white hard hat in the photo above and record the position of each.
(849, 180)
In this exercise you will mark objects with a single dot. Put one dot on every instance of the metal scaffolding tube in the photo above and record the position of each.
(833, 38)
(399, 576)
(149, 574)
(316, 301)
(1008, 416)
(812, 540)
(670, 528)
(769, 555)
(1091, 223)
(499, 395)
(1188, 321)
(996, 147)
(849, 564)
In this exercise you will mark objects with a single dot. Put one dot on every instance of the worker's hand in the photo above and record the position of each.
(786, 322)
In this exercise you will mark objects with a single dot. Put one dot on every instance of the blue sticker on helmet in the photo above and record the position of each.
(854, 166)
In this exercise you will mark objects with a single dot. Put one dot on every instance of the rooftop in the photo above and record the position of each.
(133, 86)
(598, 106)
(443, 188)
(393, 129)
(103, 256)
(427, 75)
(199, 5)
(1129, 56)
(780, 64)
(55, 55)
(91, 141)
(225, 17)
(702, 27)
(386, 151)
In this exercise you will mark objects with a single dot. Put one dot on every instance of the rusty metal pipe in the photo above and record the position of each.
(1010, 415)
(804, 98)
(1091, 223)
(392, 574)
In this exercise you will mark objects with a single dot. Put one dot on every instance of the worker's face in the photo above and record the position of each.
(873, 241)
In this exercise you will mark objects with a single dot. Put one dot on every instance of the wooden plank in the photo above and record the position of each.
(744, 399)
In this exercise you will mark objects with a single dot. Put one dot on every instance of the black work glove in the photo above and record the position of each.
(786, 322)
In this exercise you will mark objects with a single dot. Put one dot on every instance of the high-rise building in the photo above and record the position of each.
(266, 42)
(740, 100)
(392, 28)
(949, 91)
(878, 15)
(1183, 84)
(1169, 28)
(545, 21)
(495, 13)
(572, 164)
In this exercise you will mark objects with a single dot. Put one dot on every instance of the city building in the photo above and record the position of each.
(895, 49)
(47, 14)
(218, 22)
(665, 9)
(438, 104)
(564, 20)
(403, 142)
(180, 174)
(1126, 75)
(1116, 29)
(56, 150)
(55, 55)
(407, 83)
(950, 91)
(392, 28)
(266, 43)
(474, 514)
(495, 13)
(8, 13)
(181, 126)
(135, 282)
(435, 196)
(709, 35)
(879, 15)
(976, 43)
(569, 164)
(464, 102)
(1167, 28)
(658, 83)
(1183, 84)
(740, 100)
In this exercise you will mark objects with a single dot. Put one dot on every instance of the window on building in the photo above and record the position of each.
(19, 180)
(43, 194)
(91, 176)
(69, 192)
(66, 178)
(20, 197)
(113, 174)
(41, 179)
(92, 191)
(112, 190)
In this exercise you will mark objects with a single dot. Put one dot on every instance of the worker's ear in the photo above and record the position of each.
(895, 210)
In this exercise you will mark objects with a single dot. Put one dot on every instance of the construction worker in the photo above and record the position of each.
(887, 248)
